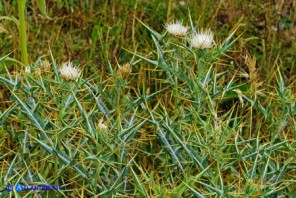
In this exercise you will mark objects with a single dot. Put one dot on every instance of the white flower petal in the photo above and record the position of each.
(28, 69)
(176, 29)
(202, 40)
(69, 72)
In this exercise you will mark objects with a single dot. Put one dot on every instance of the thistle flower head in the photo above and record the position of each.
(69, 72)
(38, 71)
(102, 126)
(176, 28)
(203, 39)
(124, 71)
(28, 69)
(45, 65)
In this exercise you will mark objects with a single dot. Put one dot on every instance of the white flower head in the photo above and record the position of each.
(203, 39)
(176, 29)
(69, 72)
(182, 3)
(102, 126)
(28, 69)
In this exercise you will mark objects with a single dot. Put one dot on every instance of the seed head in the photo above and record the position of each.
(124, 71)
(69, 72)
(38, 71)
(176, 29)
(45, 65)
(202, 40)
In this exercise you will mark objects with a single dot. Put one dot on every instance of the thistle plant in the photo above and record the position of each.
(196, 130)
(182, 134)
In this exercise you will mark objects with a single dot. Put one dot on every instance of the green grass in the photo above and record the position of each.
(180, 122)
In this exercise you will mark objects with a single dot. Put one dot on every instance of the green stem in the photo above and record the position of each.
(169, 10)
(22, 31)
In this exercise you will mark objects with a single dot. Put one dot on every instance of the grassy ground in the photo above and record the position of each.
(180, 122)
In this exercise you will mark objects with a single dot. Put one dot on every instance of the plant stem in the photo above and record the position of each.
(22, 31)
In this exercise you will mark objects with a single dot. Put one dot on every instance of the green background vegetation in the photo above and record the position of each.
(183, 123)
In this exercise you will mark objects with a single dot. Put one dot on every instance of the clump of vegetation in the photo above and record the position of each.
(177, 113)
